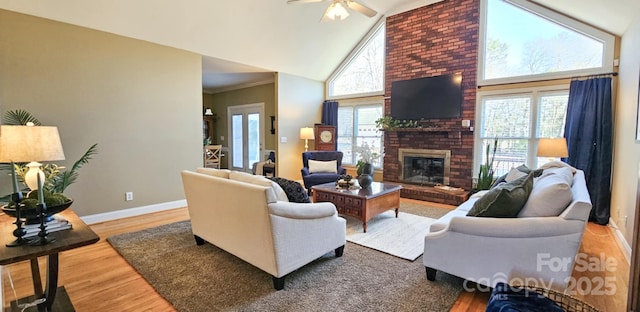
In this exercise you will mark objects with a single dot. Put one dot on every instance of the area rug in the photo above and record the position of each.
(206, 278)
(402, 237)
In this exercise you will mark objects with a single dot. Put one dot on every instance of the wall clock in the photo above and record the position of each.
(325, 137)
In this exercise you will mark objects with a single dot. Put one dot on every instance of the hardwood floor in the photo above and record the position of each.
(97, 278)
(598, 241)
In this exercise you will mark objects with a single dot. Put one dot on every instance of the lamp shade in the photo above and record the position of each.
(306, 133)
(336, 11)
(552, 147)
(208, 112)
(29, 143)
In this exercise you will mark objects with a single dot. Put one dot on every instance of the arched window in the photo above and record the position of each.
(521, 41)
(362, 73)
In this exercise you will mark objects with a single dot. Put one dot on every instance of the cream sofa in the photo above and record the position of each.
(250, 217)
(523, 249)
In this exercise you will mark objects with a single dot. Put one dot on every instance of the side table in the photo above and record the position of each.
(79, 235)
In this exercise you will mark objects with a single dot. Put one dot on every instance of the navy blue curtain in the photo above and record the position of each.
(589, 139)
(330, 113)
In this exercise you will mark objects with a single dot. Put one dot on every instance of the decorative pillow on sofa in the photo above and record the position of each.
(260, 180)
(550, 196)
(295, 192)
(516, 173)
(220, 173)
(565, 172)
(505, 200)
(557, 164)
(316, 166)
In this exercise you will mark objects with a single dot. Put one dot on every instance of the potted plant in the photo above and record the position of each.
(485, 175)
(364, 166)
(57, 179)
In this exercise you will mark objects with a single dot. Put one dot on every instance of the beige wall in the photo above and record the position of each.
(141, 102)
(251, 95)
(299, 105)
(258, 94)
(626, 149)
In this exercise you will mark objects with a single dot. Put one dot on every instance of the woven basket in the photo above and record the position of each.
(566, 302)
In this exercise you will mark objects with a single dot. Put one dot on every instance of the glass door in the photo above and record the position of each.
(247, 135)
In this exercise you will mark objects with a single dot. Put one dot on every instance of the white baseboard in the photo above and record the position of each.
(132, 212)
(622, 242)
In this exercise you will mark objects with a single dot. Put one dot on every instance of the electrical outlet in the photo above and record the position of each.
(625, 221)
(128, 196)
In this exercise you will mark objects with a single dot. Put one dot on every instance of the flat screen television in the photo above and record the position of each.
(427, 98)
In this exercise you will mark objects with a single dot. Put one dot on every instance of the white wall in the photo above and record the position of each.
(626, 149)
(299, 104)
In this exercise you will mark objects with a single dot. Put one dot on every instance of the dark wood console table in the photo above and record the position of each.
(80, 235)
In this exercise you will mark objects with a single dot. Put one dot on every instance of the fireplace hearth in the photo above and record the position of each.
(424, 167)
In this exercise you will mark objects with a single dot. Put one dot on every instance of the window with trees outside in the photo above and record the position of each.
(517, 121)
(523, 42)
(363, 71)
(356, 127)
(360, 76)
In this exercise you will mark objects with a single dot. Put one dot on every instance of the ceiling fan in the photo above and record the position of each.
(338, 9)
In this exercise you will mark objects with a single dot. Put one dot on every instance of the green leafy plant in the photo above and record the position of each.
(388, 123)
(61, 181)
(485, 175)
(56, 180)
(20, 117)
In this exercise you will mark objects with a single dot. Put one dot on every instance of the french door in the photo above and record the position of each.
(246, 135)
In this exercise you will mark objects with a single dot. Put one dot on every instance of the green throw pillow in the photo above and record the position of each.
(504, 201)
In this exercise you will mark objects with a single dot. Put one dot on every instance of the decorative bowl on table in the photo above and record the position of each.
(31, 213)
(345, 183)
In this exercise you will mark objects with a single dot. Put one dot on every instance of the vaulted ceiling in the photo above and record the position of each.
(245, 41)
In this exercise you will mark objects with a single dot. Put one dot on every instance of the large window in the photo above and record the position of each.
(517, 120)
(357, 127)
(521, 41)
(362, 73)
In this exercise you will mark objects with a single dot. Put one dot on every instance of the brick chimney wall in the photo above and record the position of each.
(437, 39)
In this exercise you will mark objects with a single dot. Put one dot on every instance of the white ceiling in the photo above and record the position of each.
(245, 41)
(613, 16)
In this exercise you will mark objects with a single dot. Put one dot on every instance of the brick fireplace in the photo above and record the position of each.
(433, 40)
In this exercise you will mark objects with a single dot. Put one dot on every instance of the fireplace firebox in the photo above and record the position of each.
(424, 166)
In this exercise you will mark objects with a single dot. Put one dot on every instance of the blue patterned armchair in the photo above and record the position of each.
(312, 178)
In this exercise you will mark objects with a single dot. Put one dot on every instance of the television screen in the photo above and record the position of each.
(427, 98)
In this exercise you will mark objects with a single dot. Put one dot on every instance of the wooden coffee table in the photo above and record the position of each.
(362, 204)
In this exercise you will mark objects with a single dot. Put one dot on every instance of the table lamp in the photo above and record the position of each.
(552, 148)
(306, 134)
(29, 144)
